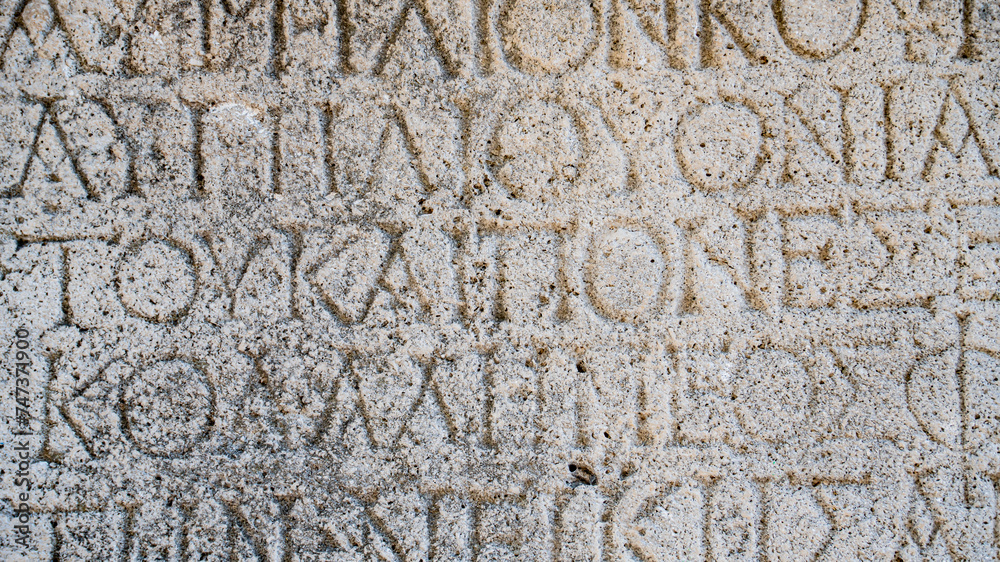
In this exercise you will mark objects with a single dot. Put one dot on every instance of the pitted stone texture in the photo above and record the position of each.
(558, 280)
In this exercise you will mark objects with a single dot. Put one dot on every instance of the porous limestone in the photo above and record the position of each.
(547, 280)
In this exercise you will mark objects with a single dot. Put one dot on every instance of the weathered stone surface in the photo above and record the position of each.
(313, 280)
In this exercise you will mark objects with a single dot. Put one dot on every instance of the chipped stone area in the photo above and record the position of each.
(413, 280)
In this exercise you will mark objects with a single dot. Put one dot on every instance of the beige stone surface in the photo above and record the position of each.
(555, 280)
